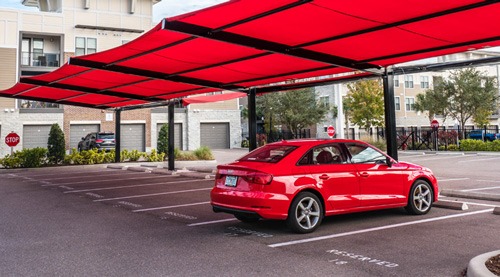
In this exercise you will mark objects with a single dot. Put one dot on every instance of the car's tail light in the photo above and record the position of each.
(258, 178)
(99, 141)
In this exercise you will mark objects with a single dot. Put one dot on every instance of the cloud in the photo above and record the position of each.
(168, 8)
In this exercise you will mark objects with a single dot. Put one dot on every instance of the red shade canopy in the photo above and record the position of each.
(243, 44)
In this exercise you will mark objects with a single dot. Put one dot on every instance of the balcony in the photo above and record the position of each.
(37, 59)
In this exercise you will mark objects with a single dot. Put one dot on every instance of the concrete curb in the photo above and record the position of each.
(496, 211)
(468, 194)
(139, 169)
(452, 205)
(477, 268)
(198, 175)
(115, 166)
(163, 171)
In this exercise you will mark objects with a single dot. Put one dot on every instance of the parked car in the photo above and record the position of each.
(100, 140)
(481, 135)
(301, 181)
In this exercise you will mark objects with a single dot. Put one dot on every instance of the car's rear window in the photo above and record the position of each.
(269, 153)
(106, 136)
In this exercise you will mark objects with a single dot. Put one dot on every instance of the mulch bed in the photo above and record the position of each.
(493, 264)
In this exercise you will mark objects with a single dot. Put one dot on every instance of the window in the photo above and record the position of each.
(424, 81)
(84, 46)
(325, 154)
(269, 154)
(396, 81)
(29, 104)
(397, 103)
(408, 81)
(410, 103)
(324, 101)
(364, 154)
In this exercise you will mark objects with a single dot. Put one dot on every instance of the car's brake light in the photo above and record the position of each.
(98, 140)
(258, 178)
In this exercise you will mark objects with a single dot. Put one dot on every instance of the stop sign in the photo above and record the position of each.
(435, 124)
(12, 139)
(330, 131)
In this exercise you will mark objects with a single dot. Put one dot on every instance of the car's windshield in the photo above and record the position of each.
(269, 153)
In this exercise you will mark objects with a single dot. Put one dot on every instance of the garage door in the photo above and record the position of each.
(177, 134)
(36, 136)
(214, 135)
(77, 131)
(133, 137)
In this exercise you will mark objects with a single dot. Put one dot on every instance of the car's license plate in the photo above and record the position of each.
(231, 181)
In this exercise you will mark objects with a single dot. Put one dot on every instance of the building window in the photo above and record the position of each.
(397, 103)
(84, 46)
(410, 103)
(396, 81)
(408, 81)
(29, 104)
(424, 81)
(324, 101)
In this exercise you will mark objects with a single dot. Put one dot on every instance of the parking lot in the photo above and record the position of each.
(93, 220)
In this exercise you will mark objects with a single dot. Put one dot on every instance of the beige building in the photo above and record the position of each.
(35, 42)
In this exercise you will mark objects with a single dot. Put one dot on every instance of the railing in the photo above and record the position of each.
(40, 59)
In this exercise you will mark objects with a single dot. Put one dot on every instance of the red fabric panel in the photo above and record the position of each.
(46, 93)
(17, 88)
(101, 79)
(295, 76)
(256, 68)
(127, 103)
(155, 87)
(190, 55)
(184, 94)
(63, 72)
(97, 99)
(212, 98)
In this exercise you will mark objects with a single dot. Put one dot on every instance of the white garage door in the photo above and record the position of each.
(177, 134)
(214, 135)
(36, 136)
(132, 137)
(77, 131)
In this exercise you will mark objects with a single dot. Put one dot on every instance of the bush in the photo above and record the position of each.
(56, 145)
(473, 145)
(155, 156)
(380, 144)
(135, 155)
(184, 155)
(204, 153)
(92, 156)
(163, 139)
(245, 143)
(453, 147)
(33, 157)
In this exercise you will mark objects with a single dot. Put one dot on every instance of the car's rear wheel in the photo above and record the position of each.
(246, 218)
(420, 198)
(305, 213)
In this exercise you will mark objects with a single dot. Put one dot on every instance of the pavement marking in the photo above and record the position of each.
(453, 179)
(170, 207)
(490, 181)
(97, 181)
(152, 194)
(211, 222)
(479, 160)
(430, 158)
(62, 173)
(293, 242)
(105, 175)
(487, 188)
(133, 186)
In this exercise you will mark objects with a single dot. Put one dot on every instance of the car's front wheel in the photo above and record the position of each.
(305, 213)
(420, 198)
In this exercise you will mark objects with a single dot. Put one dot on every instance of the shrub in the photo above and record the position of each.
(204, 153)
(33, 157)
(163, 139)
(453, 147)
(380, 144)
(245, 143)
(135, 155)
(155, 156)
(473, 145)
(56, 145)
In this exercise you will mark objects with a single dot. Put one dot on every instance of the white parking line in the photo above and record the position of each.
(490, 181)
(487, 188)
(63, 173)
(134, 186)
(479, 160)
(98, 181)
(377, 228)
(104, 175)
(152, 194)
(170, 207)
(211, 222)
(431, 158)
(455, 179)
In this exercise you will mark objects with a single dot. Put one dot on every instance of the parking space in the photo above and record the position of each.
(379, 243)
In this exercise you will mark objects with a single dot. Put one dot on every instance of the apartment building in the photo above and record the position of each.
(36, 42)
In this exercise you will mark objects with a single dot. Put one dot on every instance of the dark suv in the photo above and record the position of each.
(101, 141)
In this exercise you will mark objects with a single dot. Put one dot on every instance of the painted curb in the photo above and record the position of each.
(477, 268)
(452, 205)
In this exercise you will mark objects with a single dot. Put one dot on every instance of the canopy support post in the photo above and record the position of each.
(252, 119)
(118, 149)
(171, 156)
(390, 114)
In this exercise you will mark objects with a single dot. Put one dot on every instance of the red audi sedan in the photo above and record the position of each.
(301, 181)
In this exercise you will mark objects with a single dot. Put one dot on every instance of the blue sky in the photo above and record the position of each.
(165, 8)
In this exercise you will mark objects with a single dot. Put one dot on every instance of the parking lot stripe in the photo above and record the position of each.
(456, 179)
(170, 207)
(69, 172)
(105, 175)
(479, 160)
(211, 222)
(97, 181)
(133, 186)
(152, 194)
(487, 188)
(377, 228)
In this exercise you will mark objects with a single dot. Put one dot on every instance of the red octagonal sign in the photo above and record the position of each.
(330, 131)
(12, 139)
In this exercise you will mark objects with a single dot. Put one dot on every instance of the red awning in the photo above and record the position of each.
(265, 45)
(212, 98)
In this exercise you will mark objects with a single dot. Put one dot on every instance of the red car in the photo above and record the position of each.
(301, 181)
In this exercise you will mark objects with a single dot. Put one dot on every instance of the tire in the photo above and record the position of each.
(420, 198)
(246, 218)
(79, 149)
(305, 213)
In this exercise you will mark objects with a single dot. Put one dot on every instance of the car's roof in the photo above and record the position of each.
(311, 142)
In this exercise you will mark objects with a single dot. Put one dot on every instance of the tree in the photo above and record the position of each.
(56, 145)
(163, 139)
(432, 101)
(364, 104)
(296, 109)
(466, 94)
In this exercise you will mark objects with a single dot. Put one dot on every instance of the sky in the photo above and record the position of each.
(165, 8)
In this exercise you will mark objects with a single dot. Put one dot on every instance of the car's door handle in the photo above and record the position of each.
(364, 174)
(324, 177)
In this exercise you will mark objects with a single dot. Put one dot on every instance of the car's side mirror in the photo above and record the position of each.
(389, 161)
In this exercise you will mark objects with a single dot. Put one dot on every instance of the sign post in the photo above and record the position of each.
(12, 140)
(330, 131)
